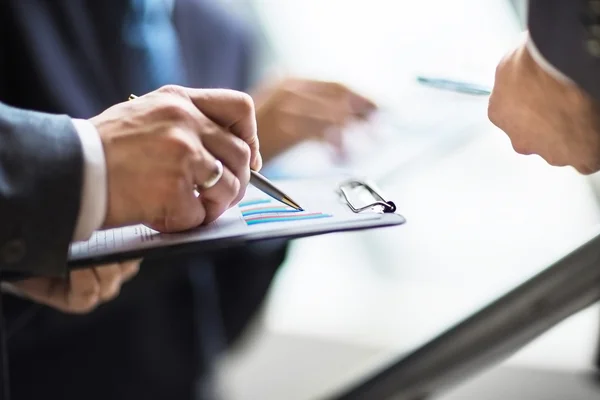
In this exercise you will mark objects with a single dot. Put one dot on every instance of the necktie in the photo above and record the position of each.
(156, 56)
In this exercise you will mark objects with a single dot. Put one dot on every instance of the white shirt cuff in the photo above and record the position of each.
(92, 209)
(545, 64)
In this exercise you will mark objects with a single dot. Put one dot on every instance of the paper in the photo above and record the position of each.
(256, 213)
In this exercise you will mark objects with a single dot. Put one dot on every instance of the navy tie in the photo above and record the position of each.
(152, 38)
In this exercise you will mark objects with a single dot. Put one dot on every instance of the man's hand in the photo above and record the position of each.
(163, 145)
(294, 110)
(544, 115)
(82, 292)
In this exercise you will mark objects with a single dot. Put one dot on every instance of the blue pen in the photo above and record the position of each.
(455, 86)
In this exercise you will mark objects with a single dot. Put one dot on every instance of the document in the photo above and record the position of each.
(256, 216)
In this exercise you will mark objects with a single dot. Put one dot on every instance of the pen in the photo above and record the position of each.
(456, 86)
(264, 185)
(267, 187)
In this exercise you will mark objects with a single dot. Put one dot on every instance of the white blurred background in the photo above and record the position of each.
(481, 219)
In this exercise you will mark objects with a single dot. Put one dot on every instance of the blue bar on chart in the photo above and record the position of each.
(263, 210)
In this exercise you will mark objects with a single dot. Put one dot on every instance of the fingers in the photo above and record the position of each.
(313, 116)
(79, 295)
(360, 106)
(83, 292)
(91, 287)
(211, 141)
(187, 214)
(233, 111)
(322, 109)
(235, 154)
(219, 144)
(109, 281)
(215, 200)
(129, 269)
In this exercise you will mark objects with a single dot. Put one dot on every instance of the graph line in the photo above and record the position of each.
(278, 218)
(254, 202)
(262, 211)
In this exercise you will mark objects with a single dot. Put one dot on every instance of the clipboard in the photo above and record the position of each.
(330, 206)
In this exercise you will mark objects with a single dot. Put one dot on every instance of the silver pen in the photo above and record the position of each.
(267, 187)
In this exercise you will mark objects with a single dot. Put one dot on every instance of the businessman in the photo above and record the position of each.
(159, 337)
(61, 179)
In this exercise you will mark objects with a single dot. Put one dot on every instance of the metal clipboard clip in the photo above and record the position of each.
(349, 185)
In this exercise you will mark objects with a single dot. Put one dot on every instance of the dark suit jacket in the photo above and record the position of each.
(157, 340)
(567, 33)
(39, 191)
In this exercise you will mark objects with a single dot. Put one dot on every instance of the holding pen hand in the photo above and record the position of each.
(162, 146)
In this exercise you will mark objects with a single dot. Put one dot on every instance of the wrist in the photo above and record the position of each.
(116, 211)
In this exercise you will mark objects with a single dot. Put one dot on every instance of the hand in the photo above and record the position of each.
(82, 292)
(294, 110)
(160, 146)
(544, 115)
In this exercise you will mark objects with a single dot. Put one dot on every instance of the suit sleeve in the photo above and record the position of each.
(41, 166)
(567, 34)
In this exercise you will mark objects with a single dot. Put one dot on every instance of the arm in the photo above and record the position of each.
(567, 35)
(41, 166)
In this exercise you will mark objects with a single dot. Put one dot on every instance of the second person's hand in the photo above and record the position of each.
(163, 145)
(544, 115)
(294, 110)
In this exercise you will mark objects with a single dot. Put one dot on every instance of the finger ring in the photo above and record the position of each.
(212, 181)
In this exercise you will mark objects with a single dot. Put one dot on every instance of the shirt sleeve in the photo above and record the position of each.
(92, 211)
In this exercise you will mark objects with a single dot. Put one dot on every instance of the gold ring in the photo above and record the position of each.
(212, 181)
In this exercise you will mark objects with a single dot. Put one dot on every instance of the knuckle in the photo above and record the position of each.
(517, 147)
(239, 154)
(179, 146)
(112, 291)
(235, 187)
(493, 111)
(209, 129)
(85, 302)
(339, 88)
(585, 169)
(521, 147)
(245, 103)
(134, 267)
(173, 110)
(89, 290)
(242, 152)
(172, 90)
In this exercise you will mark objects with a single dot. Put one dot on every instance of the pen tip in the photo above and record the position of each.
(291, 203)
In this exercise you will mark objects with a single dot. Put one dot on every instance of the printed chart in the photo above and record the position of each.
(267, 210)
